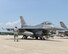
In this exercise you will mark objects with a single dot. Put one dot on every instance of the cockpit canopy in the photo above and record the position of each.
(47, 23)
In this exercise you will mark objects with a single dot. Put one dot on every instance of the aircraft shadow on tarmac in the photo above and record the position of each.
(52, 40)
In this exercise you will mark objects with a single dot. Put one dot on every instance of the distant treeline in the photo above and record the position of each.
(8, 33)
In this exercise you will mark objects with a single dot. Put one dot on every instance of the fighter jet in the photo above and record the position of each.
(40, 31)
(65, 32)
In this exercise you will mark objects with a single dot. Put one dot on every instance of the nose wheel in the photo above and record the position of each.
(24, 37)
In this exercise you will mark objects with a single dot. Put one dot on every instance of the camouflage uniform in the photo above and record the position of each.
(16, 34)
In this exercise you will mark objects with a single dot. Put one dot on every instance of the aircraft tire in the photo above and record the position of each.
(40, 38)
(36, 37)
(24, 37)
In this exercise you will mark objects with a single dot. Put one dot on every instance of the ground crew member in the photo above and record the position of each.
(16, 34)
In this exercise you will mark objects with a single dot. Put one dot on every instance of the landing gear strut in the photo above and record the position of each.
(24, 37)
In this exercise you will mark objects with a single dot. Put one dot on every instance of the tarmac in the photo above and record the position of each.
(57, 45)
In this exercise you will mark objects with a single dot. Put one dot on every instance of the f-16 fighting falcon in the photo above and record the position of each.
(40, 31)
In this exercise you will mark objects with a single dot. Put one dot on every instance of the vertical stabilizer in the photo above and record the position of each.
(22, 21)
(63, 25)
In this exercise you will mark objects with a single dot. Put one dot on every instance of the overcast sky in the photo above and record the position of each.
(33, 11)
